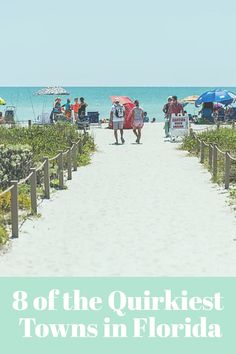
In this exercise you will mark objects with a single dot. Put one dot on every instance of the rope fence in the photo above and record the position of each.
(220, 163)
(65, 162)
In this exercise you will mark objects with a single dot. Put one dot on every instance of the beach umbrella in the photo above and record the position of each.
(2, 102)
(190, 99)
(52, 91)
(220, 96)
(122, 99)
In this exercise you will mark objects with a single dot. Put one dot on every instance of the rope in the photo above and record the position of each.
(25, 179)
(6, 191)
(40, 167)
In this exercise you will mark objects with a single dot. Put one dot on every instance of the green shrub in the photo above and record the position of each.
(43, 140)
(24, 148)
(3, 235)
(15, 163)
(225, 138)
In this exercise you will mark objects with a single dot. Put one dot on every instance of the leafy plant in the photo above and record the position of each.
(225, 138)
(15, 162)
(3, 235)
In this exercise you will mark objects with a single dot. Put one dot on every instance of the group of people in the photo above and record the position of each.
(171, 107)
(138, 117)
(117, 117)
(78, 109)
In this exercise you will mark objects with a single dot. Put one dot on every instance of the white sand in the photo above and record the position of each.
(137, 210)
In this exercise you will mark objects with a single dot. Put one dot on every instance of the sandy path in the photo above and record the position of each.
(136, 210)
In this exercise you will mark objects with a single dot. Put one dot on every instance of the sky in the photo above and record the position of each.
(117, 43)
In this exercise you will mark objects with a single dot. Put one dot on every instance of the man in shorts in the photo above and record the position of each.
(117, 117)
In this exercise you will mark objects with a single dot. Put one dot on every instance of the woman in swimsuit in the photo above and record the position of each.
(137, 120)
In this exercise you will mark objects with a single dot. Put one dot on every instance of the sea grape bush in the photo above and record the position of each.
(225, 138)
(23, 148)
(43, 140)
(15, 163)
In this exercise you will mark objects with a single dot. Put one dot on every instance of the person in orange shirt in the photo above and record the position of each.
(75, 108)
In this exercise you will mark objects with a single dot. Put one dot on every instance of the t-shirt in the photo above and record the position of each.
(82, 109)
(76, 107)
(67, 106)
(118, 113)
(175, 108)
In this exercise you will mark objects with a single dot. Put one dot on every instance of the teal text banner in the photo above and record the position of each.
(117, 315)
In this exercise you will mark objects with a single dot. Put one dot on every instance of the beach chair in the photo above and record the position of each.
(83, 123)
(93, 118)
(9, 116)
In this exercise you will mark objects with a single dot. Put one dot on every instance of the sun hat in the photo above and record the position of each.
(117, 99)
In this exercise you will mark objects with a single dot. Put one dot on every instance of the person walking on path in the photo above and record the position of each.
(117, 117)
(167, 116)
(137, 120)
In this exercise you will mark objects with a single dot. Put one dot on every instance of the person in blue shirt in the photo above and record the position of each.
(67, 107)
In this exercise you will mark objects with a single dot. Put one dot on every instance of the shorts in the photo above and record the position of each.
(118, 125)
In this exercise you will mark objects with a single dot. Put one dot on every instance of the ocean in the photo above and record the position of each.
(29, 106)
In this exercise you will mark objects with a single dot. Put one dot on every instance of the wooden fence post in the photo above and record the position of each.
(233, 125)
(46, 177)
(60, 169)
(218, 125)
(227, 169)
(202, 152)
(214, 161)
(198, 146)
(29, 123)
(69, 165)
(80, 146)
(74, 156)
(33, 190)
(210, 155)
(14, 209)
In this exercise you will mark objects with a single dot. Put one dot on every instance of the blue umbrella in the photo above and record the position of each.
(222, 96)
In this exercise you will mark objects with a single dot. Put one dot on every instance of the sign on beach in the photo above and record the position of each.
(179, 125)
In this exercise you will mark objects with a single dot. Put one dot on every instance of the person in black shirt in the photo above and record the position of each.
(82, 108)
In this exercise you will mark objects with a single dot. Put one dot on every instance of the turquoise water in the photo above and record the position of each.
(152, 99)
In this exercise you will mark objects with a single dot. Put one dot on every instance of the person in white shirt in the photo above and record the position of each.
(117, 117)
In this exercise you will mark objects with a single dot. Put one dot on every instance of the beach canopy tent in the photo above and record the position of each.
(218, 96)
(2, 101)
(52, 91)
(129, 105)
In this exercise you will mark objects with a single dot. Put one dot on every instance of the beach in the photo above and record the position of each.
(152, 99)
(136, 210)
